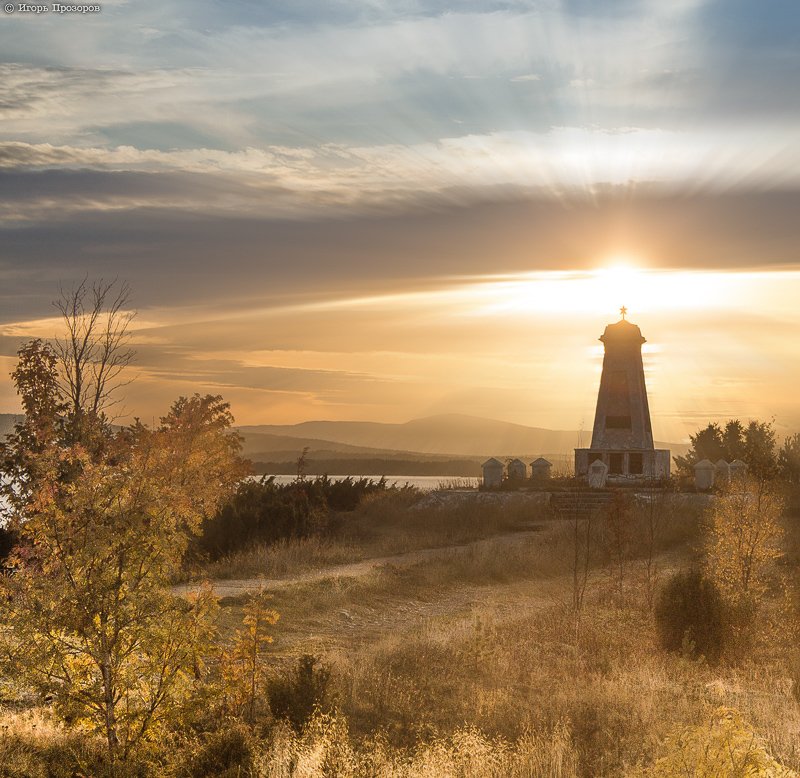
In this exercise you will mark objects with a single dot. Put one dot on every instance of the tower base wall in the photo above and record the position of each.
(625, 465)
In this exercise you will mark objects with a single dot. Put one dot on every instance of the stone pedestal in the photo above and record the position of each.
(625, 464)
(598, 474)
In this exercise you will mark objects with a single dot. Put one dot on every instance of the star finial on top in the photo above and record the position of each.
(623, 311)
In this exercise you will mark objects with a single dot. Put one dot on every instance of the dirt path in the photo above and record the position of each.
(235, 587)
(341, 619)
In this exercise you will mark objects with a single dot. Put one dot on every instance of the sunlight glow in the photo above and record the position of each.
(601, 291)
(597, 292)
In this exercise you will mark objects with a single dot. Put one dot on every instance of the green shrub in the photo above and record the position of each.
(306, 690)
(691, 616)
(226, 753)
(265, 512)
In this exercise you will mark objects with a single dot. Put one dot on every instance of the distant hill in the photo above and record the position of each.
(450, 444)
(277, 454)
(260, 442)
(448, 435)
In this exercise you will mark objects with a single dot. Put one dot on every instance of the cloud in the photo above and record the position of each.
(40, 182)
(184, 258)
(254, 158)
(377, 74)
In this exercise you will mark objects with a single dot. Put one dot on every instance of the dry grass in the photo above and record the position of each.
(325, 749)
(470, 663)
(286, 557)
(620, 695)
(32, 745)
(480, 643)
(385, 524)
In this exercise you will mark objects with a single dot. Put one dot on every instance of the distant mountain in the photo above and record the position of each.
(432, 439)
(449, 434)
(260, 446)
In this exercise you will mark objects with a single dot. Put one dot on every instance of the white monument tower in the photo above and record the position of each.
(622, 437)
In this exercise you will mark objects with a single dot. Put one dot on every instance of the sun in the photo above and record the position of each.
(623, 283)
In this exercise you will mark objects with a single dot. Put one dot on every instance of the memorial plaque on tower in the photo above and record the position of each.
(622, 436)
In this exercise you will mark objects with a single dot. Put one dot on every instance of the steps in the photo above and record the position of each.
(579, 504)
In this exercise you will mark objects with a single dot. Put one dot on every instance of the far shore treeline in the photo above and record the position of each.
(409, 467)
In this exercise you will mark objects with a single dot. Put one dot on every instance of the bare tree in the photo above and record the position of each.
(95, 349)
(618, 535)
(581, 561)
(651, 524)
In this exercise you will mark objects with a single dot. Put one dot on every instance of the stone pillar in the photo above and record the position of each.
(517, 470)
(492, 473)
(704, 475)
(540, 469)
(738, 469)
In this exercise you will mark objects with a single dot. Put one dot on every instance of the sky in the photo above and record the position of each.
(373, 210)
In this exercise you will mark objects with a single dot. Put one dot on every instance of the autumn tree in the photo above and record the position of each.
(582, 551)
(243, 668)
(41, 429)
(619, 534)
(102, 519)
(743, 538)
(88, 617)
(67, 386)
(651, 520)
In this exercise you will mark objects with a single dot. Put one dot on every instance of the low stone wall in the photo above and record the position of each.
(446, 498)
(678, 499)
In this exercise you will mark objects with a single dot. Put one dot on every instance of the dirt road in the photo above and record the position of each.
(234, 587)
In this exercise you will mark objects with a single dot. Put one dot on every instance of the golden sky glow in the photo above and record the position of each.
(521, 348)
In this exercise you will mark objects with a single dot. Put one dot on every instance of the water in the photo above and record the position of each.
(425, 483)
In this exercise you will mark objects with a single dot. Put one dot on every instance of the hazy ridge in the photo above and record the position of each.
(448, 435)
(452, 444)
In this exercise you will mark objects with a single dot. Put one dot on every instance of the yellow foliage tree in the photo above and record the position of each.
(723, 746)
(88, 618)
(743, 539)
(243, 671)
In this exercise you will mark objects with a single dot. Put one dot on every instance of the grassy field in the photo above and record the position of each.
(462, 655)
(475, 652)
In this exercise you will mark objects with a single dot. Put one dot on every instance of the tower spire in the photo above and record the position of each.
(623, 311)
